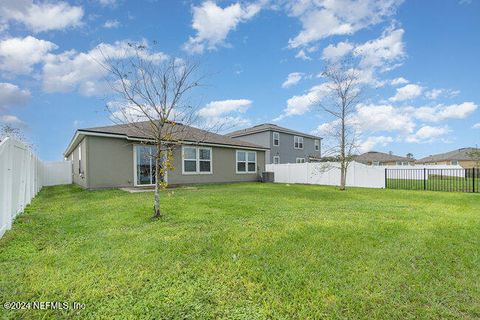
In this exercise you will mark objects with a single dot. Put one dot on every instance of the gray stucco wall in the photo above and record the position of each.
(286, 150)
(108, 163)
(80, 179)
(263, 139)
(223, 168)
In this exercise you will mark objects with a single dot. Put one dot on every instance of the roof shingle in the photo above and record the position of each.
(143, 130)
(375, 156)
(268, 127)
(456, 155)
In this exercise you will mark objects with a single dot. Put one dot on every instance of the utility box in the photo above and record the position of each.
(268, 177)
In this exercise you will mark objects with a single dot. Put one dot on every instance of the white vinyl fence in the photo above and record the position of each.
(328, 173)
(22, 175)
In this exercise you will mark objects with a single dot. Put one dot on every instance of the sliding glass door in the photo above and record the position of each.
(144, 165)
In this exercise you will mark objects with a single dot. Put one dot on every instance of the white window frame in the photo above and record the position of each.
(246, 162)
(299, 160)
(297, 140)
(135, 176)
(197, 161)
(454, 162)
(276, 158)
(316, 145)
(278, 139)
(375, 163)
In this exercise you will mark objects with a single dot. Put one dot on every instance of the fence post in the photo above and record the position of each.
(473, 180)
(385, 178)
(424, 179)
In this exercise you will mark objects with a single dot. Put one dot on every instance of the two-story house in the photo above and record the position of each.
(284, 145)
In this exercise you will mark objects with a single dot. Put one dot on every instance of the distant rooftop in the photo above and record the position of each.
(375, 156)
(268, 127)
(455, 155)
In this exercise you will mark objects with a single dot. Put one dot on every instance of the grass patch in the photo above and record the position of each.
(246, 251)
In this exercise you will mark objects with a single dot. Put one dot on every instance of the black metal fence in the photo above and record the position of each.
(452, 180)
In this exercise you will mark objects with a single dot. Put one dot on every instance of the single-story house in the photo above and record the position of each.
(375, 158)
(462, 157)
(118, 156)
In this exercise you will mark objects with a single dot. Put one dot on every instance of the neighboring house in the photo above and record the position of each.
(460, 157)
(284, 145)
(118, 156)
(374, 158)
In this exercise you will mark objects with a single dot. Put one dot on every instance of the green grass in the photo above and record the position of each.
(246, 251)
(436, 183)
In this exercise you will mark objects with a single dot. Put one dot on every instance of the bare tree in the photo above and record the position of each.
(152, 98)
(475, 156)
(344, 91)
(8, 131)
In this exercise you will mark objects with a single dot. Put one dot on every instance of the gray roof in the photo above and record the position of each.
(374, 156)
(180, 132)
(456, 155)
(268, 127)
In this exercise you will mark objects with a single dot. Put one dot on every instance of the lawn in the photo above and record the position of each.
(246, 251)
(451, 184)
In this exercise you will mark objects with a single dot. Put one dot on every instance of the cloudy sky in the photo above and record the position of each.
(418, 61)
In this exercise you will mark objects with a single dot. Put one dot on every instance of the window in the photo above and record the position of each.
(276, 159)
(300, 160)
(298, 142)
(317, 145)
(454, 163)
(276, 139)
(399, 163)
(144, 165)
(246, 161)
(197, 160)
(375, 163)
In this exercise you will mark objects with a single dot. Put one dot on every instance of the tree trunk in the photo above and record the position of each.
(343, 169)
(343, 175)
(156, 209)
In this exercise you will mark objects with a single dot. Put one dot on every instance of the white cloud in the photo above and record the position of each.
(81, 71)
(335, 52)
(383, 52)
(433, 94)
(292, 79)
(213, 24)
(408, 92)
(442, 112)
(108, 3)
(298, 105)
(371, 142)
(39, 17)
(225, 113)
(11, 95)
(427, 134)
(321, 19)
(19, 55)
(476, 126)
(111, 24)
(383, 118)
(302, 55)
(13, 120)
(398, 81)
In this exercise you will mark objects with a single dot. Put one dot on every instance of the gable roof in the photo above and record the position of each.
(375, 156)
(456, 155)
(142, 131)
(268, 127)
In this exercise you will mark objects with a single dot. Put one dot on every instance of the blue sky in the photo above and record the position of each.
(418, 62)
